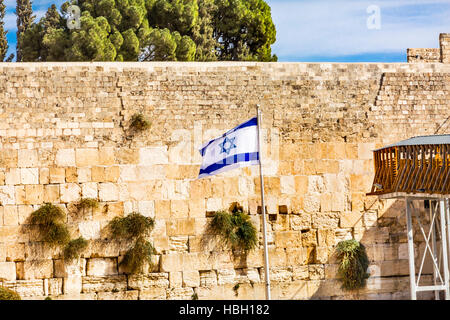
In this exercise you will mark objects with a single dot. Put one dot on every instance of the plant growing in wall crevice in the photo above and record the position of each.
(138, 123)
(74, 248)
(50, 220)
(235, 227)
(8, 294)
(87, 203)
(134, 227)
(353, 264)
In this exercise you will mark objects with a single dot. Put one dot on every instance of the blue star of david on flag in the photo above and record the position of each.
(236, 148)
(227, 145)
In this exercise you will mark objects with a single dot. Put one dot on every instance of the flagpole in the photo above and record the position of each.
(263, 207)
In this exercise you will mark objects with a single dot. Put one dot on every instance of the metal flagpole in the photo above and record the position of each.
(263, 207)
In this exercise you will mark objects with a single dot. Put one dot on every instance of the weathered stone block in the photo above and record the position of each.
(153, 155)
(86, 157)
(27, 158)
(8, 271)
(12, 176)
(71, 174)
(101, 267)
(175, 279)
(51, 193)
(57, 175)
(108, 192)
(70, 192)
(155, 293)
(65, 158)
(34, 194)
(106, 283)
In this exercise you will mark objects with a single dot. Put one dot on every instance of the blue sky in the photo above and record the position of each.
(333, 30)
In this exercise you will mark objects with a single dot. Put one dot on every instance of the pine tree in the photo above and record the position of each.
(153, 30)
(3, 33)
(25, 19)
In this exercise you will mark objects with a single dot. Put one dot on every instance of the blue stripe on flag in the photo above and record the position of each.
(240, 157)
(249, 123)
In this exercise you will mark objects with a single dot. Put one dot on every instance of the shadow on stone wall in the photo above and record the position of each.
(385, 240)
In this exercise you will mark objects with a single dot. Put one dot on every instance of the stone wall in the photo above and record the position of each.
(65, 135)
(423, 55)
(431, 55)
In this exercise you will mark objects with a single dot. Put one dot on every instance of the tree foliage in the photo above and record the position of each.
(25, 20)
(3, 33)
(154, 30)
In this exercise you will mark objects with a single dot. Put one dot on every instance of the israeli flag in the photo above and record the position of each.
(234, 149)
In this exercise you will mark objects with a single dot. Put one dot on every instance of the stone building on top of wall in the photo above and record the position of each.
(441, 54)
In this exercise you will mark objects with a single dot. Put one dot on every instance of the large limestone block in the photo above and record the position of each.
(57, 175)
(89, 229)
(179, 209)
(29, 175)
(34, 194)
(35, 269)
(180, 227)
(101, 267)
(10, 215)
(106, 283)
(287, 184)
(351, 219)
(148, 281)
(155, 293)
(175, 279)
(108, 191)
(121, 295)
(27, 158)
(180, 293)
(89, 190)
(8, 158)
(72, 285)
(191, 278)
(153, 155)
(70, 192)
(65, 158)
(7, 195)
(51, 193)
(8, 271)
(12, 176)
(86, 157)
(29, 288)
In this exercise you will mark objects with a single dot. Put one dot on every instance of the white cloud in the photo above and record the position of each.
(338, 27)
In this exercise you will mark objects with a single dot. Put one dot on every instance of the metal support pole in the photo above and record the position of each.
(263, 208)
(447, 223)
(443, 210)
(412, 271)
(434, 249)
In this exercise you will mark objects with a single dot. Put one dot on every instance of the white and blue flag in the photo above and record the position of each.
(234, 149)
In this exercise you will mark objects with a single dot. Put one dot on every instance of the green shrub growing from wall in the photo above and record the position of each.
(139, 122)
(353, 264)
(87, 203)
(235, 227)
(74, 248)
(134, 227)
(52, 228)
(8, 294)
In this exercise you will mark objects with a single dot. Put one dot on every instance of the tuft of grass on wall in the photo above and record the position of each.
(235, 227)
(8, 294)
(139, 122)
(353, 264)
(74, 248)
(50, 220)
(132, 226)
(137, 256)
(87, 203)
